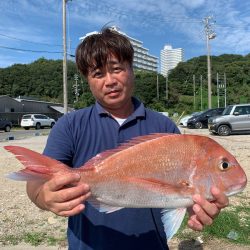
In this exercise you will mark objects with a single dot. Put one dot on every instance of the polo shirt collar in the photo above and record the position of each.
(139, 109)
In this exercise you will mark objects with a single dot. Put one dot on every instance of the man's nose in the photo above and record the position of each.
(109, 78)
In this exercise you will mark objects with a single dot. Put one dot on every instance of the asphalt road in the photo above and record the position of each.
(16, 134)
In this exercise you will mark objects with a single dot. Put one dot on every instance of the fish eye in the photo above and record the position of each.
(224, 165)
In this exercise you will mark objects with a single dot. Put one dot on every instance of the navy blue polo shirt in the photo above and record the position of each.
(79, 136)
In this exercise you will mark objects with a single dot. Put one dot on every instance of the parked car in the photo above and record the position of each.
(36, 121)
(201, 120)
(235, 118)
(5, 125)
(184, 119)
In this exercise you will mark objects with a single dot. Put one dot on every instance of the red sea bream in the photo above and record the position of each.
(152, 171)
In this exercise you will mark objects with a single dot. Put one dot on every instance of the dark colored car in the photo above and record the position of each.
(201, 120)
(5, 125)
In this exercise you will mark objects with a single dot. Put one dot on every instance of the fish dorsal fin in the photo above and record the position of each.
(93, 162)
(144, 138)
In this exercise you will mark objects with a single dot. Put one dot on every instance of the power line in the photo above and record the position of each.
(22, 40)
(33, 51)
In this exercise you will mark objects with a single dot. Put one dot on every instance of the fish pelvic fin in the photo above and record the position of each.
(172, 219)
(102, 207)
(37, 166)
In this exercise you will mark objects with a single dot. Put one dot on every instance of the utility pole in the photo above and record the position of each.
(218, 89)
(225, 84)
(75, 87)
(210, 34)
(194, 91)
(167, 86)
(157, 85)
(201, 93)
(65, 84)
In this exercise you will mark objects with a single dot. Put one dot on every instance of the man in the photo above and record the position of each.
(105, 59)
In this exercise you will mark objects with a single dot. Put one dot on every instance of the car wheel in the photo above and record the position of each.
(224, 130)
(38, 125)
(7, 128)
(26, 128)
(52, 124)
(198, 125)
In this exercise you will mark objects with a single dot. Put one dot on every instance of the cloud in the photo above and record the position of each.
(172, 18)
(192, 4)
(165, 20)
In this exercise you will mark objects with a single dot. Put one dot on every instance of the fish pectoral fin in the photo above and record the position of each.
(172, 219)
(155, 185)
(102, 207)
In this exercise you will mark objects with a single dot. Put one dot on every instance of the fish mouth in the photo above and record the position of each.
(237, 189)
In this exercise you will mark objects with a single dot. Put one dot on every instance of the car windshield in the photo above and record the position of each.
(26, 116)
(227, 110)
(196, 113)
(202, 112)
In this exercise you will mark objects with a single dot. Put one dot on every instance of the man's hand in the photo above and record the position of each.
(203, 212)
(62, 194)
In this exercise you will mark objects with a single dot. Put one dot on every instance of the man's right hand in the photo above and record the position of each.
(63, 195)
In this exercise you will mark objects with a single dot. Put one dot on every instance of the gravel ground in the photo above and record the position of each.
(19, 217)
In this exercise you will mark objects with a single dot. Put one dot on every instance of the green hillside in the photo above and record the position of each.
(43, 79)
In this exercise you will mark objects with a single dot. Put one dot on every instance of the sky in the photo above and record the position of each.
(31, 29)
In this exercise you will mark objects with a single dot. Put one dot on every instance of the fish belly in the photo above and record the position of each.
(128, 194)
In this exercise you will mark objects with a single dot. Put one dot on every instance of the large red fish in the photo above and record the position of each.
(154, 171)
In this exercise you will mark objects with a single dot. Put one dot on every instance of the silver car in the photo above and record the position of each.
(235, 118)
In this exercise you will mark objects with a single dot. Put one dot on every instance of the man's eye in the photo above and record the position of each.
(97, 74)
(117, 69)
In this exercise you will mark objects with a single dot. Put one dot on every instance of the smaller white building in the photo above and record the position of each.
(170, 58)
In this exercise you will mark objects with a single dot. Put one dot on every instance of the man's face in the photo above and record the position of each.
(112, 86)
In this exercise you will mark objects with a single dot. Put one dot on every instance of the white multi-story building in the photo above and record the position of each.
(170, 58)
(142, 59)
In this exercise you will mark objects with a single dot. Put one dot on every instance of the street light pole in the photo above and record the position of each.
(209, 35)
(65, 85)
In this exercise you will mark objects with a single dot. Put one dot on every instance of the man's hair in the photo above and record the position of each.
(95, 50)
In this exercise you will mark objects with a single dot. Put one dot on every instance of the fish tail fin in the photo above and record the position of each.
(27, 175)
(37, 166)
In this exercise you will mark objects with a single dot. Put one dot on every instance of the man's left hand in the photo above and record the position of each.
(204, 212)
